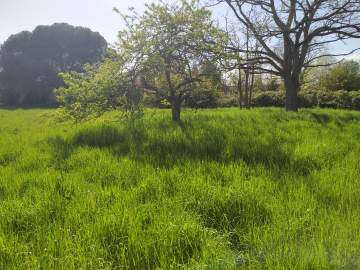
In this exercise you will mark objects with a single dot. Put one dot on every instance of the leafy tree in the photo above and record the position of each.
(165, 46)
(312, 77)
(100, 88)
(32, 60)
(332, 77)
(343, 76)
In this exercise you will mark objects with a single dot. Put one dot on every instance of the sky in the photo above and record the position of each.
(19, 15)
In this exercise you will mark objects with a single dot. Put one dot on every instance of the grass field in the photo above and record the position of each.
(226, 189)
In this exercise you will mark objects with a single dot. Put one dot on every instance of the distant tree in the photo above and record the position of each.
(311, 78)
(343, 76)
(165, 46)
(32, 60)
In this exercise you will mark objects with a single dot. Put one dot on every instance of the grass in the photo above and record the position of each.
(226, 189)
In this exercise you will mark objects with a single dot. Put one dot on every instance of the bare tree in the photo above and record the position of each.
(238, 50)
(292, 34)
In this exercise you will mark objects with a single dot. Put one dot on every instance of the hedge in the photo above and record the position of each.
(337, 100)
(307, 99)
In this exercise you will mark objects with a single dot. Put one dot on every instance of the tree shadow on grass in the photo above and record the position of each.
(103, 136)
(171, 145)
(340, 119)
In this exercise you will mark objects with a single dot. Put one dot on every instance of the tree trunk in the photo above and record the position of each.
(292, 88)
(247, 84)
(251, 88)
(176, 109)
(240, 90)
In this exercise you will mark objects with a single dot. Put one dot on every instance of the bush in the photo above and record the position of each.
(338, 99)
(308, 99)
(269, 98)
(343, 99)
(355, 100)
(227, 102)
(326, 100)
(153, 101)
(201, 98)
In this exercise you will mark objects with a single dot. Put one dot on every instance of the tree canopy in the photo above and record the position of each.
(31, 61)
(343, 76)
(166, 46)
(99, 88)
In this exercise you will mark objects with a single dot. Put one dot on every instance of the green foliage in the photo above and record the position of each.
(273, 84)
(344, 76)
(269, 98)
(225, 101)
(229, 189)
(30, 61)
(201, 98)
(167, 51)
(355, 100)
(337, 99)
(206, 92)
(309, 99)
(100, 88)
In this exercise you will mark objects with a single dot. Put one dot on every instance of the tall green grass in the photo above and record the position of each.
(225, 189)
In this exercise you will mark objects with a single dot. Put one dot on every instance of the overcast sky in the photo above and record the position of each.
(18, 15)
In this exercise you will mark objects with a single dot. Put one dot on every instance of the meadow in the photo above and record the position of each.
(225, 189)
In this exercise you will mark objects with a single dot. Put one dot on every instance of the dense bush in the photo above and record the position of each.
(338, 99)
(269, 98)
(326, 100)
(153, 101)
(201, 98)
(227, 101)
(355, 100)
(307, 99)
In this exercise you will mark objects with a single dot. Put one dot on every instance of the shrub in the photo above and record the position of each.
(355, 100)
(336, 99)
(308, 99)
(342, 99)
(269, 98)
(153, 101)
(326, 100)
(201, 98)
(227, 101)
